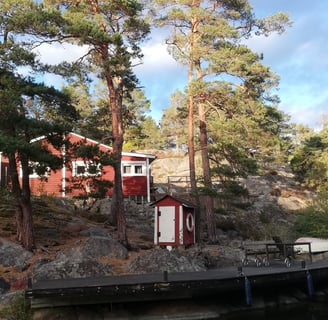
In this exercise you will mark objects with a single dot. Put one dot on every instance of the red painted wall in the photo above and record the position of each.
(52, 185)
(188, 236)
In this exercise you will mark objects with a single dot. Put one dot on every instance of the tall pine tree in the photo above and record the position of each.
(112, 31)
(206, 38)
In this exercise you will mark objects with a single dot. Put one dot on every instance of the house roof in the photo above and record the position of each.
(131, 154)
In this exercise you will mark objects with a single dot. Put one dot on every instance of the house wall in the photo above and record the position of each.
(133, 185)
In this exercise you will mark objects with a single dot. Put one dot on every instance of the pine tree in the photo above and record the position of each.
(206, 38)
(112, 30)
(28, 109)
(173, 122)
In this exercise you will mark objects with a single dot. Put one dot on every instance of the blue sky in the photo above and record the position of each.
(298, 57)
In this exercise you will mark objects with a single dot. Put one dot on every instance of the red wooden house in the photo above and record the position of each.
(136, 173)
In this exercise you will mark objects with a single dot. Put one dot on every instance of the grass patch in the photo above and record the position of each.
(17, 309)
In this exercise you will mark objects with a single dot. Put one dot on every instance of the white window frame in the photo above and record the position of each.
(134, 165)
(86, 165)
(34, 175)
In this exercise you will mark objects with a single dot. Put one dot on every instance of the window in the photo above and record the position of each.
(127, 169)
(138, 169)
(36, 170)
(86, 169)
(134, 168)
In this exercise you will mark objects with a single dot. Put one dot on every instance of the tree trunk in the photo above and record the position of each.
(208, 200)
(192, 168)
(115, 89)
(191, 145)
(23, 211)
(191, 154)
(24, 223)
(117, 205)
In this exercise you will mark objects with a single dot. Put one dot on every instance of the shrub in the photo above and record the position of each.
(312, 223)
(313, 220)
(17, 309)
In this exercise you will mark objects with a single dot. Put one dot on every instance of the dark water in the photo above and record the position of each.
(304, 311)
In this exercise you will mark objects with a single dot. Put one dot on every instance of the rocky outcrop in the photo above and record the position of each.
(71, 265)
(160, 260)
(12, 254)
(81, 261)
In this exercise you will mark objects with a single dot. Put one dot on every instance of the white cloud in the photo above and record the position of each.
(160, 75)
(57, 53)
(156, 57)
(298, 57)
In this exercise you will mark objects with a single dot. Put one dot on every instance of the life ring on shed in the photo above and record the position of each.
(190, 223)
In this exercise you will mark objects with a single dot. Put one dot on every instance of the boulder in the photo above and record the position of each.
(104, 247)
(71, 266)
(160, 260)
(13, 254)
(81, 261)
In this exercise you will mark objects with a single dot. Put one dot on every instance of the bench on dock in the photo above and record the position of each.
(261, 252)
(257, 251)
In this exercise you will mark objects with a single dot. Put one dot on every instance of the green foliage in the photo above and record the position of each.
(234, 188)
(312, 223)
(17, 309)
(28, 109)
(309, 162)
(231, 161)
(89, 182)
(7, 208)
(173, 124)
(150, 134)
(313, 220)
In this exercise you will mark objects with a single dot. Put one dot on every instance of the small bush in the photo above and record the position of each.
(312, 223)
(17, 309)
(313, 220)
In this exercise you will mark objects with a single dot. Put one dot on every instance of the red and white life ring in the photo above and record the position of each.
(190, 223)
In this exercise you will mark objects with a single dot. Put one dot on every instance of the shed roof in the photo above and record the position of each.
(184, 202)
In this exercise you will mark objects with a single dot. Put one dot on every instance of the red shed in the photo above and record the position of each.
(174, 222)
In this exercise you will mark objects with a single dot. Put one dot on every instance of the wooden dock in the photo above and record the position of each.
(303, 275)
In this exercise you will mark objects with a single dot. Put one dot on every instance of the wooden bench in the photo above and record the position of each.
(258, 252)
(261, 252)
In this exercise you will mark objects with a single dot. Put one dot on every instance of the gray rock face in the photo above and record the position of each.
(81, 261)
(12, 254)
(102, 206)
(104, 247)
(71, 266)
(95, 232)
(161, 260)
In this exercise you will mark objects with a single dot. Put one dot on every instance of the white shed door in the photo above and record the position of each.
(166, 224)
